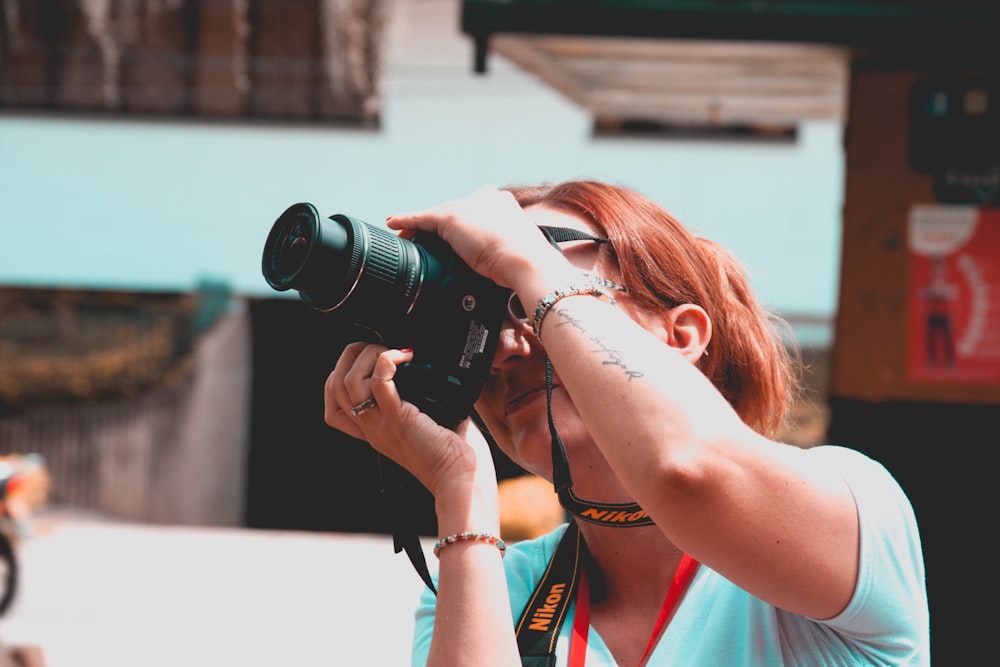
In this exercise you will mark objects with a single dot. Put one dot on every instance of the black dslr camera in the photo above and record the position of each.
(417, 294)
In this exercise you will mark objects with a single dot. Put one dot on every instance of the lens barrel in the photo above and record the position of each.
(366, 274)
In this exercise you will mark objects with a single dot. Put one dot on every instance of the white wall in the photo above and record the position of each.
(162, 205)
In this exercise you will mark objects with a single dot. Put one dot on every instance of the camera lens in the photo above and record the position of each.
(364, 274)
(294, 239)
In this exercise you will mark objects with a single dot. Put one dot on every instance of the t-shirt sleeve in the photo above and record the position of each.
(888, 613)
(423, 626)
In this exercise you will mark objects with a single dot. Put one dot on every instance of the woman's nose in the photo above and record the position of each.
(514, 344)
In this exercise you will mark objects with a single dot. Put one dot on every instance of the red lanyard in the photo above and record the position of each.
(581, 624)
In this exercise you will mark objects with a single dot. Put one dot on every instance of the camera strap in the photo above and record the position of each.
(392, 479)
(621, 515)
(543, 616)
(618, 515)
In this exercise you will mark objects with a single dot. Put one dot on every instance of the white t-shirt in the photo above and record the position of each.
(718, 624)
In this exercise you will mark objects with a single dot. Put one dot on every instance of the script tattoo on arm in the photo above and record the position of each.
(612, 356)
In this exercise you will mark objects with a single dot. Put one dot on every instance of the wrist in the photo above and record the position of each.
(472, 537)
(584, 284)
(464, 508)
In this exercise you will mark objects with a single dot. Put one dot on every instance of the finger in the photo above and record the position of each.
(347, 358)
(382, 381)
(334, 414)
(338, 399)
(335, 385)
(378, 380)
(433, 218)
(357, 379)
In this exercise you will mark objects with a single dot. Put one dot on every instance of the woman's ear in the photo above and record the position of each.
(686, 327)
(689, 329)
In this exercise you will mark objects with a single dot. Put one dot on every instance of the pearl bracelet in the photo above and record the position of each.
(485, 538)
(591, 284)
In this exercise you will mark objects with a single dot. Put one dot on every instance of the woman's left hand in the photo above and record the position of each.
(490, 231)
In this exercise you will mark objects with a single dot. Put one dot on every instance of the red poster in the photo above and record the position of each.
(954, 294)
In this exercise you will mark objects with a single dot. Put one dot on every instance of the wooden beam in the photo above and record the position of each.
(688, 81)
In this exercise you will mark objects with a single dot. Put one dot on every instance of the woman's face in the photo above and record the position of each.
(513, 401)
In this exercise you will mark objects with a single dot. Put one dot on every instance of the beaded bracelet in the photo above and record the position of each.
(485, 538)
(592, 285)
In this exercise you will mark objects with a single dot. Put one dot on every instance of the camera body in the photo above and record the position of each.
(415, 294)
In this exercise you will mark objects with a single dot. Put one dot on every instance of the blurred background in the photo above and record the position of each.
(147, 147)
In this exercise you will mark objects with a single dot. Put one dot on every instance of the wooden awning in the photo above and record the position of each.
(719, 61)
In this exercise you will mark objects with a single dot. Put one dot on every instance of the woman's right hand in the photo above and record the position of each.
(438, 457)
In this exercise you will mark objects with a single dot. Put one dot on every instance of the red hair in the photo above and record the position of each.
(663, 265)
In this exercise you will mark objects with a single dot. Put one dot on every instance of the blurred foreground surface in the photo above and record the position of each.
(105, 593)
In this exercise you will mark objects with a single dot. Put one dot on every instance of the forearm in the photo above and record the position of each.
(648, 407)
(473, 616)
(711, 483)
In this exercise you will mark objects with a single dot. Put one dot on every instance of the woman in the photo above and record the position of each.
(704, 541)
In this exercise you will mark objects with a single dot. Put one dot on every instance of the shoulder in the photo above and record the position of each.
(862, 473)
(875, 489)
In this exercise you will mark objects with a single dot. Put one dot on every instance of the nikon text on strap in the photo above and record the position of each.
(543, 616)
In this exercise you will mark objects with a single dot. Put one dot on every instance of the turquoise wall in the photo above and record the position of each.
(163, 205)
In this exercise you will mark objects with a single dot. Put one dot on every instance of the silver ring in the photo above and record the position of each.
(364, 406)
